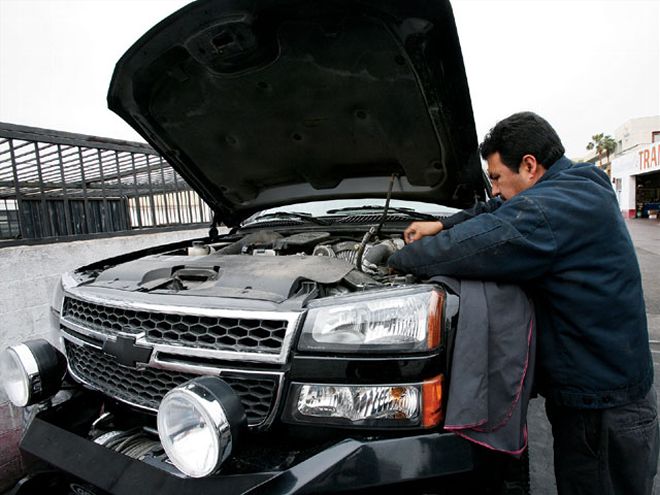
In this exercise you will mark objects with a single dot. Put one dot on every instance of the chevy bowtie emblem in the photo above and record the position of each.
(126, 351)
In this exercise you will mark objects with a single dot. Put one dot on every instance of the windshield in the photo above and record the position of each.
(327, 208)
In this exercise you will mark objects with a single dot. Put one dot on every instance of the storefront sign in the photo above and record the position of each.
(649, 158)
(641, 160)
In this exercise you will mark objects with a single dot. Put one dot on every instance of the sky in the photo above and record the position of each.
(587, 66)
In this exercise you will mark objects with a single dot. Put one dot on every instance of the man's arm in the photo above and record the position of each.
(417, 230)
(480, 207)
(514, 243)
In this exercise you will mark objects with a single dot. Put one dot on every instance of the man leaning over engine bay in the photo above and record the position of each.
(554, 227)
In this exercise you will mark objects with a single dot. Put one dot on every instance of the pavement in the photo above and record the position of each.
(646, 238)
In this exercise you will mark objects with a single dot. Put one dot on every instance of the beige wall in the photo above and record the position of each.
(31, 272)
(29, 275)
(636, 131)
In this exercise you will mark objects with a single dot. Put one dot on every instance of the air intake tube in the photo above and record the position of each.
(377, 255)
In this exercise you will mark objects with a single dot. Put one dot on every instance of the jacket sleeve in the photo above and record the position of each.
(479, 208)
(514, 243)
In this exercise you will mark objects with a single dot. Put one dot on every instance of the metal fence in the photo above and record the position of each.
(60, 186)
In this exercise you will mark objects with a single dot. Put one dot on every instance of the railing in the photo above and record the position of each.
(62, 186)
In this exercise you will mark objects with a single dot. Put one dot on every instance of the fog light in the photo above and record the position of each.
(32, 371)
(199, 424)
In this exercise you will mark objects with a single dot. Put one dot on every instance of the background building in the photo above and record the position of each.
(635, 166)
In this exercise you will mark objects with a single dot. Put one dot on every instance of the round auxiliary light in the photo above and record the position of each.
(32, 371)
(199, 424)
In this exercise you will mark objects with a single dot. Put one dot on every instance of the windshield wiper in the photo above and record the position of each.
(406, 211)
(306, 217)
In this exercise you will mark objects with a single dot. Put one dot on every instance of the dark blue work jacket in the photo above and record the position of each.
(564, 240)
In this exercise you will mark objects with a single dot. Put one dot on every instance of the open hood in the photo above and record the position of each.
(261, 103)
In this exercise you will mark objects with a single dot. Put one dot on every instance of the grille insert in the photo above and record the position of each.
(211, 332)
(147, 387)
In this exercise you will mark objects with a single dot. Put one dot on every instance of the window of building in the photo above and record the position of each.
(655, 137)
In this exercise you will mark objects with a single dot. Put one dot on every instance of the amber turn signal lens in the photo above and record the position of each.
(432, 412)
(436, 303)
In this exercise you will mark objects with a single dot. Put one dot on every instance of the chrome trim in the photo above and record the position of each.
(203, 369)
(214, 371)
(68, 281)
(22, 358)
(93, 387)
(65, 283)
(75, 340)
(217, 354)
(193, 369)
(276, 405)
(293, 319)
(26, 359)
(95, 334)
(211, 409)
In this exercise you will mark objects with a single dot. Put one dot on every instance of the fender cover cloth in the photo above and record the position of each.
(492, 366)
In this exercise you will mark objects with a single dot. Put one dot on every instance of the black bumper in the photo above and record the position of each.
(348, 465)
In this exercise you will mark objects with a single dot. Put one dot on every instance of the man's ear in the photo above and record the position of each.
(531, 168)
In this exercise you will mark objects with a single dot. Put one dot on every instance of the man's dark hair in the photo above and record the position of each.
(521, 134)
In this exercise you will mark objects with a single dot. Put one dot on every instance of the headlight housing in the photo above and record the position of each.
(393, 320)
(412, 405)
(199, 423)
(32, 371)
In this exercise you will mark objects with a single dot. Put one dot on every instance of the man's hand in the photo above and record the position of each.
(417, 230)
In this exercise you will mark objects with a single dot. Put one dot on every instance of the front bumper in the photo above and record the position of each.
(54, 436)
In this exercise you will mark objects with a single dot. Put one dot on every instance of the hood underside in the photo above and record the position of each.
(263, 103)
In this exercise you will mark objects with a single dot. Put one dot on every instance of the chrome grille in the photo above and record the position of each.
(147, 387)
(211, 332)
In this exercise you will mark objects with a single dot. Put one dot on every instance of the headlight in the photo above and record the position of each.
(375, 406)
(198, 424)
(380, 321)
(32, 371)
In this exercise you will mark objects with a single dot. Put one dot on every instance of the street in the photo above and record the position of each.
(646, 237)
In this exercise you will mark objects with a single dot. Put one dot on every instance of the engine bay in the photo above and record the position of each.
(265, 265)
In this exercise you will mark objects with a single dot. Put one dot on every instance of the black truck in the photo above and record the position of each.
(281, 356)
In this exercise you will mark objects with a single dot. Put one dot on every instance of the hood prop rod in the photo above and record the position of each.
(375, 229)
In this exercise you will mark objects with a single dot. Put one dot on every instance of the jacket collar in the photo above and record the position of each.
(559, 166)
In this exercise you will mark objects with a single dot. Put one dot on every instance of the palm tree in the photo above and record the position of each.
(603, 144)
(597, 142)
(609, 145)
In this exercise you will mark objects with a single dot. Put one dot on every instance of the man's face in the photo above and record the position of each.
(507, 183)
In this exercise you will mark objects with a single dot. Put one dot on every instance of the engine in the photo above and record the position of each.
(268, 243)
